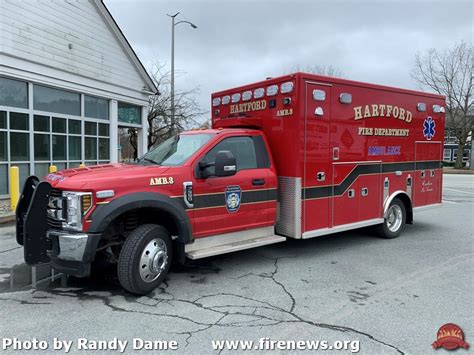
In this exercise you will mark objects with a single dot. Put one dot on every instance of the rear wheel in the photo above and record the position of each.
(395, 219)
(145, 259)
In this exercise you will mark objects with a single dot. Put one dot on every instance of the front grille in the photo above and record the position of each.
(56, 209)
(56, 193)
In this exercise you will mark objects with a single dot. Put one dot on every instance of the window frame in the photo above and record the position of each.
(262, 158)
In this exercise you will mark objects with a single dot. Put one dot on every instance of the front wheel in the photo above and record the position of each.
(394, 221)
(145, 259)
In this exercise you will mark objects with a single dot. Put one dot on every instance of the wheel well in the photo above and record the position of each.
(408, 207)
(119, 229)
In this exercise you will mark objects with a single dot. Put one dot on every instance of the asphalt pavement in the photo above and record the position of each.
(391, 295)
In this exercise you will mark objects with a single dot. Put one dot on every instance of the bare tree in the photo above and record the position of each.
(188, 113)
(449, 73)
(326, 70)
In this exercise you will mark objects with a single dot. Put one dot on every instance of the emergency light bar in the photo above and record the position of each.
(258, 93)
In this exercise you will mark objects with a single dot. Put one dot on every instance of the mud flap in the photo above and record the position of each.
(35, 241)
(23, 204)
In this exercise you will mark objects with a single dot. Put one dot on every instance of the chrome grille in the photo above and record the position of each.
(56, 209)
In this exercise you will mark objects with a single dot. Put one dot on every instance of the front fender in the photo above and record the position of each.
(106, 214)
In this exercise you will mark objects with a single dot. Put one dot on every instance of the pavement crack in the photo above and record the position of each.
(11, 249)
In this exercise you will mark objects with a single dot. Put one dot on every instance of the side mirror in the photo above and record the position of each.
(225, 164)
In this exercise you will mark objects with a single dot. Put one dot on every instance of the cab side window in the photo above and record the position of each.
(242, 148)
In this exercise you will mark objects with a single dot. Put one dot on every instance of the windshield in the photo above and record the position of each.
(175, 150)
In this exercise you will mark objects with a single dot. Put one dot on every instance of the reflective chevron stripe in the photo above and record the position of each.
(365, 169)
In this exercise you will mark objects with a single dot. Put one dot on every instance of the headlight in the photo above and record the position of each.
(77, 205)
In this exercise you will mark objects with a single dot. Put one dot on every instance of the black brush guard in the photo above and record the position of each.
(32, 221)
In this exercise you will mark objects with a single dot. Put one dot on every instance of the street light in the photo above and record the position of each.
(173, 24)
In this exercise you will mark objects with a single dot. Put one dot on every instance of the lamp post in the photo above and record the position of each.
(173, 24)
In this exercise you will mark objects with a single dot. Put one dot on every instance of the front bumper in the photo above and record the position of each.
(68, 246)
(68, 252)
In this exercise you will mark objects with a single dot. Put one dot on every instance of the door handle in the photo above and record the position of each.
(335, 153)
(258, 182)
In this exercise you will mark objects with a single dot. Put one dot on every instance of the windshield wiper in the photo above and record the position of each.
(151, 161)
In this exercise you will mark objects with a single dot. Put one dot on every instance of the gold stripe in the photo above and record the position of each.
(102, 203)
(216, 193)
(224, 206)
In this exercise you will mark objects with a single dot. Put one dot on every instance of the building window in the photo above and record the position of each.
(90, 145)
(90, 128)
(75, 127)
(129, 113)
(74, 148)
(19, 121)
(19, 146)
(3, 179)
(41, 146)
(447, 155)
(59, 125)
(3, 146)
(55, 100)
(13, 93)
(466, 155)
(59, 147)
(41, 123)
(3, 120)
(95, 107)
(96, 142)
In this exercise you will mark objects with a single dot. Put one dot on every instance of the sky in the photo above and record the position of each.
(240, 42)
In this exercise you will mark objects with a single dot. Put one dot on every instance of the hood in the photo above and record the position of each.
(107, 176)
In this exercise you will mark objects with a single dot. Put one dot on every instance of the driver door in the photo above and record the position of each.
(241, 201)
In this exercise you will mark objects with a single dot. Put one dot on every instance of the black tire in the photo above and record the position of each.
(148, 239)
(389, 229)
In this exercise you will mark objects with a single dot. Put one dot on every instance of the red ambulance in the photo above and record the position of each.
(298, 156)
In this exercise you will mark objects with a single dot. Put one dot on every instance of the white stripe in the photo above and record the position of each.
(454, 203)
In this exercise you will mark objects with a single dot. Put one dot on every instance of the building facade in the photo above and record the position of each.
(69, 80)
(450, 152)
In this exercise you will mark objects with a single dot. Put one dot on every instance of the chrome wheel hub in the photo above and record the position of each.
(394, 218)
(153, 260)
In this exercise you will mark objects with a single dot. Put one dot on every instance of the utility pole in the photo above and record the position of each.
(173, 24)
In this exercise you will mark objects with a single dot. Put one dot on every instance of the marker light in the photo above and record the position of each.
(272, 90)
(438, 108)
(236, 97)
(345, 98)
(286, 87)
(105, 193)
(319, 95)
(421, 107)
(258, 93)
(226, 100)
(216, 101)
(247, 95)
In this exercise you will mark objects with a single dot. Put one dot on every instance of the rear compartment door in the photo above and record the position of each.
(428, 173)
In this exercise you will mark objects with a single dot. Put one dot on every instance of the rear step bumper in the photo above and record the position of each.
(227, 243)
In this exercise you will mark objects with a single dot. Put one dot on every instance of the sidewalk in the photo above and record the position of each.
(6, 215)
(451, 170)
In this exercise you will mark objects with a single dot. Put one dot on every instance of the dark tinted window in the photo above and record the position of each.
(243, 149)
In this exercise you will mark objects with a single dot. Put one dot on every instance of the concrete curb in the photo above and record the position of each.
(458, 171)
(7, 218)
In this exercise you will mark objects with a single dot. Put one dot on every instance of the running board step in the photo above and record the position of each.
(234, 246)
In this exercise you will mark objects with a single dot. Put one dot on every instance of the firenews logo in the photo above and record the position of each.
(450, 336)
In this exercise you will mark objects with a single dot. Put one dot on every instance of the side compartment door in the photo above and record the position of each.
(317, 164)
(245, 200)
